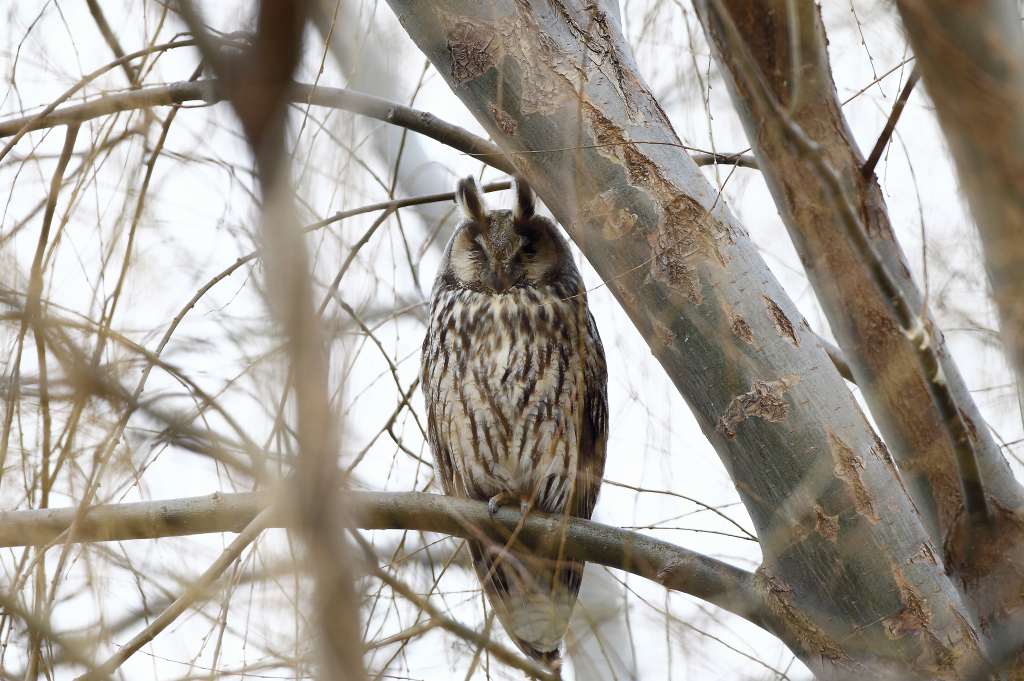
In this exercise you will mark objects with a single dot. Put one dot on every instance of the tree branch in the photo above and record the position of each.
(868, 169)
(256, 83)
(671, 566)
(839, 223)
(211, 91)
(192, 593)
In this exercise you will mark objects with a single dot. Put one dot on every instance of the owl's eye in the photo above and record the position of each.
(529, 249)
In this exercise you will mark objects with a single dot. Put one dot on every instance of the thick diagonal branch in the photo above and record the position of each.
(862, 282)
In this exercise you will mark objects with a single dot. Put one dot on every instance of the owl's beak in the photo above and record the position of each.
(501, 279)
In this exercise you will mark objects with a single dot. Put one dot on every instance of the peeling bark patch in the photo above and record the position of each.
(741, 329)
(469, 45)
(546, 79)
(506, 123)
(848, 467)
(668, 264)
(913, 617)
(781, 321)
(616, 222)
(925, 554)
(682, 233)
(597, 39)
(827, 525)
(663, 335)
(779, 597)
(764, 400)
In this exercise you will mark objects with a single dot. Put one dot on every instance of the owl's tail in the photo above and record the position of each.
(533, 601)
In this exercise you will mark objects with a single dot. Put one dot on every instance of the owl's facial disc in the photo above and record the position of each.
(500, 250)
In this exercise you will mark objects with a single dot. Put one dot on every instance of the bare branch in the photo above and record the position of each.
(256, 83)
(211, 91)
(195, 590)
(671, 566)
(29, 121)
(868, 168)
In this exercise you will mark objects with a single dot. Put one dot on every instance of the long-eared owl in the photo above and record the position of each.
(515, 384)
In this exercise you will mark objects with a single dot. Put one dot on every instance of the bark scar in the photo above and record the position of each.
(781, 321)
(848, 467)
(469, 44)
(765, 400)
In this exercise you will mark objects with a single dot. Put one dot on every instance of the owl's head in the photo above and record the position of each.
(496, 251)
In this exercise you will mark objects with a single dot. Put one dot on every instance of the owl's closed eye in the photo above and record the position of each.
(499, 250)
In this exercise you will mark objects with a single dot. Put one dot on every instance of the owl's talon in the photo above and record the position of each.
(495, 502)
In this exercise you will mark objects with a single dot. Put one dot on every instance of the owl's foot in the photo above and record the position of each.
(499, 499)
(507, 498)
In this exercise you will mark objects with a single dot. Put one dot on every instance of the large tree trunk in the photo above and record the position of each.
(855, 583)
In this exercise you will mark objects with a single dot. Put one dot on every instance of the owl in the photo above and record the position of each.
(515, 385)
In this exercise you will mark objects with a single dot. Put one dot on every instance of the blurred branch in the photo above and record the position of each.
(108, 35)
(256, 82)
(971, 58)
(671, 566)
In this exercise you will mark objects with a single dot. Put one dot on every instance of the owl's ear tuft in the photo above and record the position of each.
(470, 199)
(525, 203)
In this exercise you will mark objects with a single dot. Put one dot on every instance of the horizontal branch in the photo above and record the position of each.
(209, 91)
(370, 106)
(741, 160)
(673, 567)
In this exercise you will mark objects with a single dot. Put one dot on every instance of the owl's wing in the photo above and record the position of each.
(431, 378)
(444, 465)
(594, 435)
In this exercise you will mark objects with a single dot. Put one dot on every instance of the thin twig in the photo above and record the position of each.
(465, 633)
(196, 589)
(30, 123)
(883, 139)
